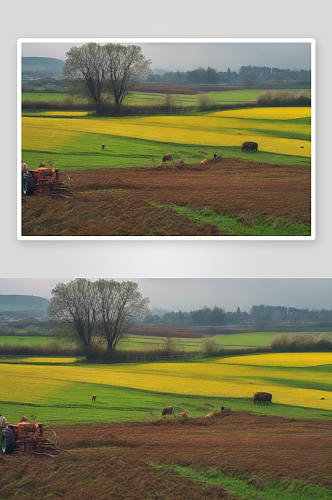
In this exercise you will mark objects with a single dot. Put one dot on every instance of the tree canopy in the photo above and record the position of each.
(95, 311)
(85, 67)
(105, 72)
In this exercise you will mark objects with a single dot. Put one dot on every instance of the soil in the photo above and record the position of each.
(131, 202)
(115, 460)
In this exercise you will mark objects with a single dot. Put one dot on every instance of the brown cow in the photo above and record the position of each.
(168, 410)
(103, 146)
(94, 397)
(167, 158)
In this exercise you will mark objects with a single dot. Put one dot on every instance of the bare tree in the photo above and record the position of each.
(85, 68)
(120, 306)
(126, 66)
(74, 307)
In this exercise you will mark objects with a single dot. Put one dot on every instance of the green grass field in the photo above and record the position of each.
(145, 343)
(61, 392)
(283, 135)
(149, 98)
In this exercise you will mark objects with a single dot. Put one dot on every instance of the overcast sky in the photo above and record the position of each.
(189, 294)
(189, 56)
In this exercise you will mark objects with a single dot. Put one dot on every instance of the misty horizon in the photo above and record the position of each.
(192, 55)
(196, 293)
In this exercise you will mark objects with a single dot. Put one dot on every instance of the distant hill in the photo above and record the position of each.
(41, 64)
(23, 303)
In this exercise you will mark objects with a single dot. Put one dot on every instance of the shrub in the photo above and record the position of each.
(283, 98)
(211, 347)
(301, 342)
(204, 102)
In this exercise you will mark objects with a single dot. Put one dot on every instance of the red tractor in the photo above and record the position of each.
(30, 438)
(47, 180)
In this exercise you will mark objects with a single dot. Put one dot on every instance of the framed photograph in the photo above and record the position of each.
(233, 373)
(182, 139)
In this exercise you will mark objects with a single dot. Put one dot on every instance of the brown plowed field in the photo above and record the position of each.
(120, 202)
(113, 460)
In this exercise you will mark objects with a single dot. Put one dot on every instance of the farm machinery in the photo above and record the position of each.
(28, 437)
(47, 180)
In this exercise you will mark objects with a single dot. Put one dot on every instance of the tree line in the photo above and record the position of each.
(258, 314)
(212, 76)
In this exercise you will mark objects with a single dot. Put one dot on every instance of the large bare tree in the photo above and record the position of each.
(126, 65)
(91, 311)
(74, 306)
(120, 306)
(85, 67)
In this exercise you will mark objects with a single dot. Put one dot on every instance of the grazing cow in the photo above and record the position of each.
(94, 397)
(167, 157)
(103, 146)
(209, 415)
(168, 410)
(249, 146)
(262, 397)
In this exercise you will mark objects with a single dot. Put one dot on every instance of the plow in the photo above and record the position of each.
(46, 180)
(27, 437)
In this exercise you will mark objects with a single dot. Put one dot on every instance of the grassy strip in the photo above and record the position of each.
(233, 224)
(72, 404)
(254, 488)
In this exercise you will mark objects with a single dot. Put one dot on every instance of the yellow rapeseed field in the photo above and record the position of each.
(24, 384)
(40, 133)
(220, 378)
(288, 113)
(283, 359)
(47, 360)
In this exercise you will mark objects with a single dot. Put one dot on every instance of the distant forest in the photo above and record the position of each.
(259, 315)
(44, 67)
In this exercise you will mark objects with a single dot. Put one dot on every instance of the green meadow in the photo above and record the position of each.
(151, 98)
(146, 343)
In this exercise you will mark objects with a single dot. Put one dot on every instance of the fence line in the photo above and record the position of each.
(171, 357)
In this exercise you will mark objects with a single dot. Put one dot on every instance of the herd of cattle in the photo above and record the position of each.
(259, 397)
(246, 146)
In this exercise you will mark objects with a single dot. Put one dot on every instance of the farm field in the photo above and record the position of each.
(60, 390)
(152, 98)
(226, 198)
(125, 192)
(116, 444)
(144, 343)
(283, 135)
(241, 457)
